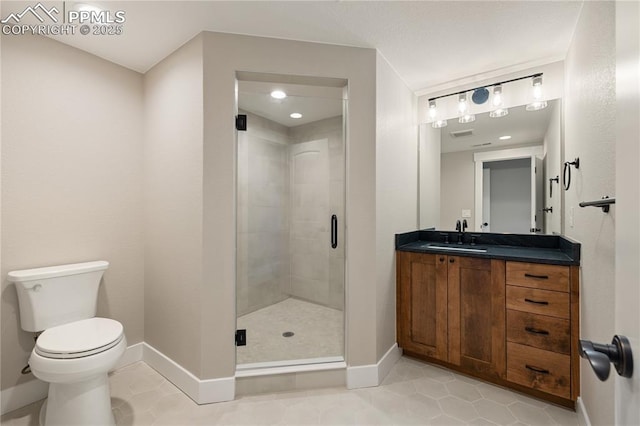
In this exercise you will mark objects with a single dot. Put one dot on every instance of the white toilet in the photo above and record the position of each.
(76, 350)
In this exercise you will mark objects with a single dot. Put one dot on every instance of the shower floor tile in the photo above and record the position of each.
(318, 332)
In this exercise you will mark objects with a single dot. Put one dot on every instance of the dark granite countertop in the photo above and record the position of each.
(550, 249)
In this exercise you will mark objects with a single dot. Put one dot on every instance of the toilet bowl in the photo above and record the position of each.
(76, 349)
(74, 359)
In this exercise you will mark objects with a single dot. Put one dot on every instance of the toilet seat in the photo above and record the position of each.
(79, 339)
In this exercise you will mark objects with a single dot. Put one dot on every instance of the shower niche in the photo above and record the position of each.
(290, 239)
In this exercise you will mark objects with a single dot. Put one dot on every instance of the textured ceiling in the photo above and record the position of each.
(427, 42)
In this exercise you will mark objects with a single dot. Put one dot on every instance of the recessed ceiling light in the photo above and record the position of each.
(295, 115)
(504, 138)
(278, 94)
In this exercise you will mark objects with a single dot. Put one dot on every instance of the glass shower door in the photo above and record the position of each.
(290, 244)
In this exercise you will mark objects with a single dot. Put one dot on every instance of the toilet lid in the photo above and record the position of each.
(79, 338)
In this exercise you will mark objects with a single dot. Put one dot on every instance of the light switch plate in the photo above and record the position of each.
(466, 213)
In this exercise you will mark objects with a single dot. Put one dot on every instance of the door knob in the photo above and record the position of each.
(600, 356)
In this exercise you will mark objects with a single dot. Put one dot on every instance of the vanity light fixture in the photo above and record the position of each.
(538, 103)
(278, 94)
(466, 117)
(499, 111)
(295, 115)
(463, 109)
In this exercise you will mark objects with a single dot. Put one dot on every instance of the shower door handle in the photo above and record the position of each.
(334, 231)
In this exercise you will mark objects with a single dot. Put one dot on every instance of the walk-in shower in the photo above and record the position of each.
(290, 286)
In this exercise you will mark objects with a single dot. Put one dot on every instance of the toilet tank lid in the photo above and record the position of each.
(57, 271)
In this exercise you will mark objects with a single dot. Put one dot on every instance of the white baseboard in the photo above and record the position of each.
(34, 390)
(23, 394)
(366, 376)
(201, 391)
(131, 355)
(583, 416)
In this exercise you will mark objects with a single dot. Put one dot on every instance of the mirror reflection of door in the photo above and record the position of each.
(509, 197)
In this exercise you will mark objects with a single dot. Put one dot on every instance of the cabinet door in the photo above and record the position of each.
(477, 314)
(422, 304)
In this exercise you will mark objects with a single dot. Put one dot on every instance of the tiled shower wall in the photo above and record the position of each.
(263, 215)
(263, 274)
(332, 293)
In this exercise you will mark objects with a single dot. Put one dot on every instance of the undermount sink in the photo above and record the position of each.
(454, 248)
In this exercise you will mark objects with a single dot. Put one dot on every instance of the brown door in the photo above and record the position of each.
(422, 304)
(477, 314)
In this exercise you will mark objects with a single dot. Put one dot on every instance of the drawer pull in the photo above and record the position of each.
(537, 302)
(536, 369)
(540, 277)
(536, 331)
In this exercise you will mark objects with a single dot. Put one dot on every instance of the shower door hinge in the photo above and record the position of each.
(241, 337)
(241, 122)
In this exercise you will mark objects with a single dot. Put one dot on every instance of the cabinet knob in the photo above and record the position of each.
(451, 260)
(442, 259)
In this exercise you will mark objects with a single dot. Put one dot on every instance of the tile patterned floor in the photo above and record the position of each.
(318, 332)
(413, 393)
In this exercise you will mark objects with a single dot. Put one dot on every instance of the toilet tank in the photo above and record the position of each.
(57, 295)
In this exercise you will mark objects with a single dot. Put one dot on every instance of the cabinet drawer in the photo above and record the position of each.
(543, 302)
(549, 333)
(539, 369)
(535, 275)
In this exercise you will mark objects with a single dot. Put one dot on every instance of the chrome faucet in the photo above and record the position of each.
(458, 226)
(464, 225)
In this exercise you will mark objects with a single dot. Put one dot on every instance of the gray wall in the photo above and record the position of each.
(429, 177)
(71, 179)
(396, 184)
(590, 134)
(457, 176)
(173, 206)
(553, 168)
(510, 195)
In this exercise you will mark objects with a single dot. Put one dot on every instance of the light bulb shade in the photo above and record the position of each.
(462, 104)
(499, 112)
(536, 106)
(466, 118)
(497, 96)
(433, 111)
(439, 123)
(537, 87)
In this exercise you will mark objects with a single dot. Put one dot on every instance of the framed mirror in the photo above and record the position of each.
(498, 174)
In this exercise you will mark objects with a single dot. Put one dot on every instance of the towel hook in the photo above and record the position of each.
(566, 173)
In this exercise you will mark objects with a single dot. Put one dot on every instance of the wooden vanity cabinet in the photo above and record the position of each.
(512, 323)
(452, 309)
(476, 306)
(422, 304)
